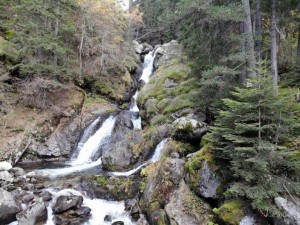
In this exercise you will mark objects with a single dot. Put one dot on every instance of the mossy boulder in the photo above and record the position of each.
(203, 175)
(185, 207)
(232, 211)
(188, 129)
(115, 188)
(161, 179)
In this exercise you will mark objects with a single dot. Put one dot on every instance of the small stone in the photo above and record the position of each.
(107, 218)
(118, 223)
(46, 196)
(27, 198)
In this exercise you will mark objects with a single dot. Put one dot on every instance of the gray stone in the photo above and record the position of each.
(291, 210)
(27, 198)
(189, 129)
(178, 208)
(118, 223)
(6, 176)
(121, 154)
(8, 207)
(169, 83)
(34, 214)
(209, 182)
(64, 203)
(46, 196)
(17, 171)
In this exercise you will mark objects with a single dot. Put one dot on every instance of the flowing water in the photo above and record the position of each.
(148, 68)
(83, 158)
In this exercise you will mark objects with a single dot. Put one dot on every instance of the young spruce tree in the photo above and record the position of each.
(249, 136)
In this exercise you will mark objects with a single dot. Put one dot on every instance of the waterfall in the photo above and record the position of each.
(87, 133)
(84, 159)
(148, 66)
(147, 72)
(92, 145)
(156, 157)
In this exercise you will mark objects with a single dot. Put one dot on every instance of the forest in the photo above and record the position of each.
(238, 67)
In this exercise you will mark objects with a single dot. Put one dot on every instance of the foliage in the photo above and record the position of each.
(250, 134)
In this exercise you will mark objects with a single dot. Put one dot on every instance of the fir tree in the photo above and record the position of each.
(249, 135)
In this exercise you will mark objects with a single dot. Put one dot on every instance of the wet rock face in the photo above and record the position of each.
(208, 183)
(64, 203)
(123, 153)
(291, 210)
(163, 178)
(35, 214)
(185, 208)
(8, 207)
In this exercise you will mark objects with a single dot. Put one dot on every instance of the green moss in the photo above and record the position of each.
(231, 212)
(204, 141)
(101, 180)
(194, 164)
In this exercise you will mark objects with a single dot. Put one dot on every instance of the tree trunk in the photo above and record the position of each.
(258, 38)
(55, 57)
(274, 67)
(298, 49)
(250, 54)
(243, 74)
(80, 46)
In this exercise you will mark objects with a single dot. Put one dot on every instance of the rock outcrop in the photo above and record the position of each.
(291, 210)
(8, 207)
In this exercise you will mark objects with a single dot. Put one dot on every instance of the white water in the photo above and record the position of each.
(147, 72)
(99, 209)
(84, 137)
(84, 160)
(148, 66)
(94, 142)
(52, 173)
(156, 157)
(134, 107)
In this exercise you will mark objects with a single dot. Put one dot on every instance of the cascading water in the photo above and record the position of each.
(99, 209)
(156, 157)
(147, 72)
(87, 133)
(94, 142)
(84, 159)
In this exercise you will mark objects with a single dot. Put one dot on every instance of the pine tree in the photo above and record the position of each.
(249, 136)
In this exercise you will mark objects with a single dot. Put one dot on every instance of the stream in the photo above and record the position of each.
(84, 161)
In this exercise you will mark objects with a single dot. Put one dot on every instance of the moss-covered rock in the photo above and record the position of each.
(231, 212)
(186, 208)
(203, 174)
(115, 188)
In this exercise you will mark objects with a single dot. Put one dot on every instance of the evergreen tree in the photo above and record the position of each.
(249, 136)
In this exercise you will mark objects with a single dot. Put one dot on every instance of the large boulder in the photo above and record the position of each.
(124, 150)
(8, 207)
(167, 52)
(36, 213)
(64, 203)
(162, 180)
(188, 129)
(209, 182)
(291, 210)
(203, 175)
(73, 217)
(186, 208)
